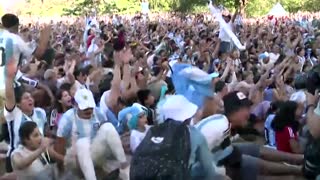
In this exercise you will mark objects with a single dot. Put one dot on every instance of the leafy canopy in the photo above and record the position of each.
(251, 8)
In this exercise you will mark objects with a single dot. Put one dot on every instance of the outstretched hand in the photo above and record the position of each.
(46, 30)
(123, 56)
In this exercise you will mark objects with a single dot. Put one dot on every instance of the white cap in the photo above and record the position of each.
(178, 108)
(84, 99)
(215, 129)
(139, 106)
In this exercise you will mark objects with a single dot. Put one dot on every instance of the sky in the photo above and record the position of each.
(9, 3)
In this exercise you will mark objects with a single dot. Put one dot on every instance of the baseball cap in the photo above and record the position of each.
(234, 101)
(178, 108)
(84, 99)
(130, 115)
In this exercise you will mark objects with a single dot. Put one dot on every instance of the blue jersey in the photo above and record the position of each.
(269, 132)
(84, 127)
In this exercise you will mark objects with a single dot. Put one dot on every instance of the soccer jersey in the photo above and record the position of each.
(12, 45)
(269, 132)
(283, 139)
(71, 123)
(16, 118)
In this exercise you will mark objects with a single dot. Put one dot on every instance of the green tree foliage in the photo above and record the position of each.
(293, 5)
(258, 8)
(82, 7)
(312, 5)
(41, 8)
(251, 8)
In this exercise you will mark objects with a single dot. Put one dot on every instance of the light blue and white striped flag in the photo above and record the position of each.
(192, 82)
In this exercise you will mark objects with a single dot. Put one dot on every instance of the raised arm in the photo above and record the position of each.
(295, 42)
(115, 85)
(234, 16)
(216, 49)
(69, 69)
(43, 42)
(11, 69)
(21, 162)
(226, 70)
(263, 78)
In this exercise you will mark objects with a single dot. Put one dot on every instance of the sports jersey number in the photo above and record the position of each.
(2, 56)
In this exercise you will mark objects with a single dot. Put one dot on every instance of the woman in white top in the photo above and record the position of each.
(31, 157)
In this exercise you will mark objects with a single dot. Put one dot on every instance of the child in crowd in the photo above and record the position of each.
(136, 119)
(286, 126)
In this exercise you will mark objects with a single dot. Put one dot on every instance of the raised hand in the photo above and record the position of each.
(46, 31)
(45, 143)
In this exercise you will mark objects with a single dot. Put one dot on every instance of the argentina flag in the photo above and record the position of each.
(192, 82)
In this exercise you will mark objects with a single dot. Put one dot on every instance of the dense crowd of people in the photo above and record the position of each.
(173, 97)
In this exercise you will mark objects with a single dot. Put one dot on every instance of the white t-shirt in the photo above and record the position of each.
(150, 60)
(223, 35)
(103, 105)
(60, 81)
(273, 57)
(78, 85)
(91, 50)
(36, 167)
(136, 137)
(116, 21)
(15, 119)
(215, 129)
(21, 50)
